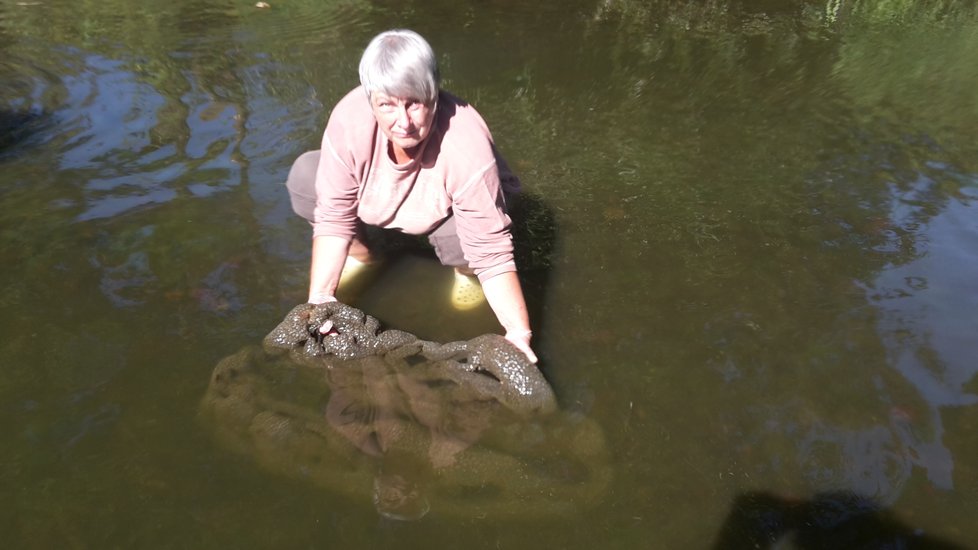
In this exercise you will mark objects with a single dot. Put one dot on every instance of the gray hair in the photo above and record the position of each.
(400, 63)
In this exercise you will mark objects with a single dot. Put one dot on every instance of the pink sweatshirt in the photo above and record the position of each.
(457, 173)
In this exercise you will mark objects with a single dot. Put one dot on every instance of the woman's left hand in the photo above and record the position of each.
(521, 339)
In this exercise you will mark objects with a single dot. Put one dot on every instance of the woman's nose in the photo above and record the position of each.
(403, 120)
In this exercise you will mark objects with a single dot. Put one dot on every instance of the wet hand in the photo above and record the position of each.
(322, 298)
(521, 339)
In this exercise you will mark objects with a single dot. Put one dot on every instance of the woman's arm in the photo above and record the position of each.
(505, 296)
(328, 256)
(335, 215)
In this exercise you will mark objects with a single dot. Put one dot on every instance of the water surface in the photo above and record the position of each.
(762, 279)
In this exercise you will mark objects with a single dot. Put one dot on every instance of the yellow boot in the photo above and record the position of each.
(355, 277)
(466, 292)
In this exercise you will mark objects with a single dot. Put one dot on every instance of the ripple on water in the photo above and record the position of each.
(315, 23)
(26, 92)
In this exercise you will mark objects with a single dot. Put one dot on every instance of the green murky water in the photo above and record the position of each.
(763, 283)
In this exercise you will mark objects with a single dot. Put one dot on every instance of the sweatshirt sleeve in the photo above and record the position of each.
(483, 224)
(337, 178)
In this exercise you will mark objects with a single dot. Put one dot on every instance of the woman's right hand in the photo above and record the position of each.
(321, 298)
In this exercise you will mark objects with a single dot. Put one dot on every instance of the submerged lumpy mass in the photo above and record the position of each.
(468, 427)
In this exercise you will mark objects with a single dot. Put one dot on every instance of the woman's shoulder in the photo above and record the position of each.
(354, 99)
(354, 107)
(464, 131)
(351, 119)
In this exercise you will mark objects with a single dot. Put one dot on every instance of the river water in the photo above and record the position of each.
(755, 264)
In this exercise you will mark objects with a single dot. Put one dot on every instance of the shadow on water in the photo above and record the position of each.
(829, 520)
(17, 129)
(535, 234)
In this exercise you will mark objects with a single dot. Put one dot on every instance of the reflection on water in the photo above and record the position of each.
(762, 286)
(927, 328)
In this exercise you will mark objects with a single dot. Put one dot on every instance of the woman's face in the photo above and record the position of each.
(405, 122)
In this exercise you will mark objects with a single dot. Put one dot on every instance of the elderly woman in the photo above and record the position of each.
(400, 154)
